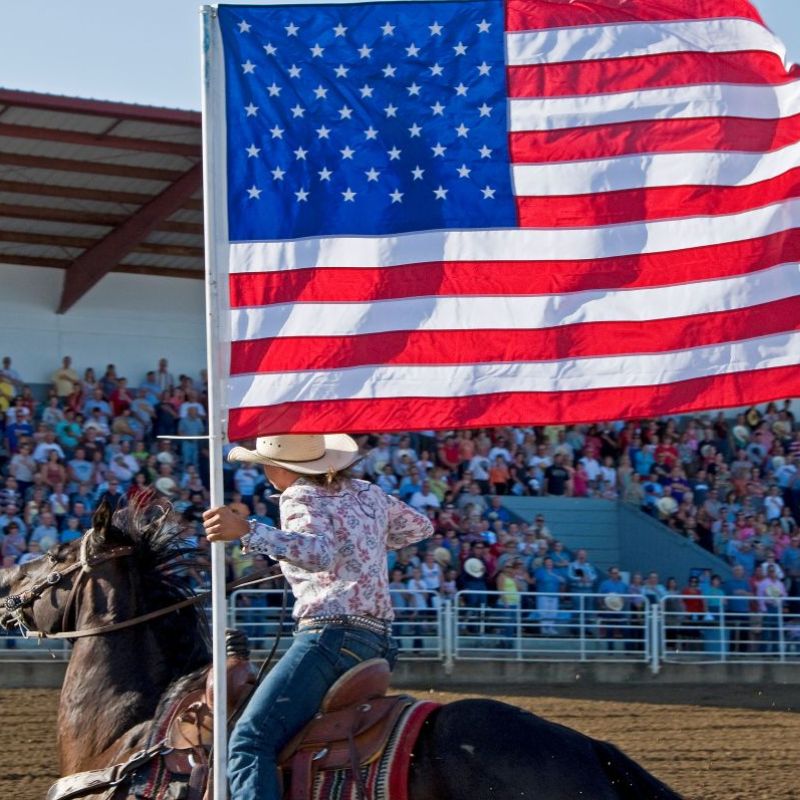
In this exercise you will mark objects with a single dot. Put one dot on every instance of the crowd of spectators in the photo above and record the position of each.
(732, 486)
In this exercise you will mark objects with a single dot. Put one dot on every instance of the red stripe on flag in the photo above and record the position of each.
(663, 202)
(646, 72)
(654, 136)
(470, 278)
(522, 15)
(484, 346)
(529, 408)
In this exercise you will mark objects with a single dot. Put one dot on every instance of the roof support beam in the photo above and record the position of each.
(101, 258)
(65, 263)
(100, 140)
(85, 193)
(92, 167)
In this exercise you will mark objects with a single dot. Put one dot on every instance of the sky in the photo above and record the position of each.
(148, 51)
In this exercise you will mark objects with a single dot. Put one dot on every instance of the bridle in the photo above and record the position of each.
(16, 603)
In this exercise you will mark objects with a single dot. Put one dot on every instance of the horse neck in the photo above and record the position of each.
(113, 682)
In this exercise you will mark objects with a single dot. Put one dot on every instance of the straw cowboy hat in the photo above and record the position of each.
(474, 567)
(306, 454)
(442, 556)
(614, 602)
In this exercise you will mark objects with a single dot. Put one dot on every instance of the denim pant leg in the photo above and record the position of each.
(288, 697)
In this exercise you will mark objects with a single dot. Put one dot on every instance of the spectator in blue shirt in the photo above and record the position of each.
(613, 612)
(737, 609)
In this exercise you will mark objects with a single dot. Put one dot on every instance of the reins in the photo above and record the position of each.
(15, 603)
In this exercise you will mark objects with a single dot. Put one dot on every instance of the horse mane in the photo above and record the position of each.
(164, 559)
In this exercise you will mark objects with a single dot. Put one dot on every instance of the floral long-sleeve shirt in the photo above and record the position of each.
(332, 545)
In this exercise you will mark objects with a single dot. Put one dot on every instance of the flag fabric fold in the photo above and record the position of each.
(454, 214)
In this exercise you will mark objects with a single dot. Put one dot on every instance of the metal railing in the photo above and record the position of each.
(537, 626)
(728, 628)
(546, 626)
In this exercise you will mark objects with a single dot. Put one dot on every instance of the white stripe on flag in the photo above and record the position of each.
(682, 102)
(510, 312)
(779, 350)
(653, 170)
(556, 45)
(515, 244)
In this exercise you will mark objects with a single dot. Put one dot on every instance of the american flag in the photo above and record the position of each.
(452, 214)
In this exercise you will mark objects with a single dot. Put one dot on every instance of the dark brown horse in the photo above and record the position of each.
(135, 562)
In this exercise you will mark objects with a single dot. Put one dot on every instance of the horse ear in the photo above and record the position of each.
(101, 521)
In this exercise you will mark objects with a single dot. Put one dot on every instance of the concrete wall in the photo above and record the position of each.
(128, 320)
(647, 544)
(576, 521)
(45, 673)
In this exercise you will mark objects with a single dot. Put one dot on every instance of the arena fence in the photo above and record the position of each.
(537, 626)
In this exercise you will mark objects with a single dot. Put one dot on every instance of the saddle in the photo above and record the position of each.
(350, 730)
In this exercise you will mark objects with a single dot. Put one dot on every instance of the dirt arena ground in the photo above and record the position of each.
(711, 743)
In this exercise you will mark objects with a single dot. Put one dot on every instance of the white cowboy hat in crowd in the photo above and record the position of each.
(442, 556)
(474, 567)
(614, 602)
(306, 454)
(166, 486)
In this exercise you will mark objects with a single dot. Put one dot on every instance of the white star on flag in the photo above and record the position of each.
(340, 30)
(302, 196)
(300, 154)
(397, 196)
(341, 71)
(248, 68)
(323, 132)
(435, 29)
(366, 90)
(436, 69)
(441, 192)
(388, 29)
(461, 90)
(483, 26)
(484, 69)
(316, 51)
(244, 27)
(325, 174)
(417, 173)
(278, 173)
(394, 154)
(251, 109)
(347, 152)
(391, 110)
(485, 152)
(273, 89)
(364, 51)
(488, 192)
(412, 51)
(485, 110)
(438, 108)
(270, 49)
(371, 133)
(297, 111)
(349, 195)
(463, 171)
(413, 89)
(372, 174)
(294, 71)
(321, 92)
(345, 112)
(461, 49)
(415, 130)
(462, 130)
(291, 29)
(277, 133)
(438, 149)
(389, 71)
(254, 193)
(253, 151)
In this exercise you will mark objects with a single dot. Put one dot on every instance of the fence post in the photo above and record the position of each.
(653, 635)
(448, 622)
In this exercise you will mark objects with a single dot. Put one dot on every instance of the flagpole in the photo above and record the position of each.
(212, 219)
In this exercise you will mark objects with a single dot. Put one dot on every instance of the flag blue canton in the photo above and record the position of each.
(374, 118)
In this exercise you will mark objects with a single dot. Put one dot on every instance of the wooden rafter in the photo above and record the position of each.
(99, 259)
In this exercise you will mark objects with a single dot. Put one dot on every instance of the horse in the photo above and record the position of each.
(136, 560)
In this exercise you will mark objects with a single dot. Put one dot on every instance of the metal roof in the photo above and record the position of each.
(93, 187)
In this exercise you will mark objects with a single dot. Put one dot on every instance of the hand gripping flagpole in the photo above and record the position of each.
(215, 234)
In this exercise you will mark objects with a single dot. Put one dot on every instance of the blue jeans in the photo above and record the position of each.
(289, 697)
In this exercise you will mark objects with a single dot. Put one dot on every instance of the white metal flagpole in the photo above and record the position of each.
(215, 234)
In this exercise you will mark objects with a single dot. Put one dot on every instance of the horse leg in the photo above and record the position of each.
(481, 749)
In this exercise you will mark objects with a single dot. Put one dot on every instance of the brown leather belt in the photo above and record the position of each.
(372, 624)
